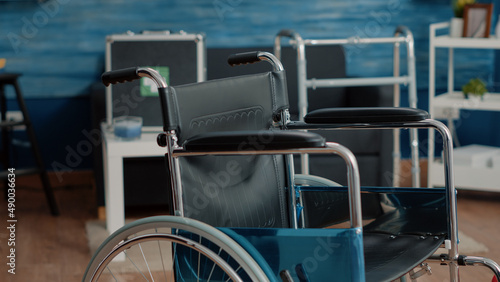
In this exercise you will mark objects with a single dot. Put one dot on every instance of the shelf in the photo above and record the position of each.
(448, 106)
(143, 146)
(445, 41)
(470, 178)
(11, 123)
(456, 100)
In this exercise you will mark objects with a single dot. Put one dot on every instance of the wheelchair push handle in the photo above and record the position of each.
(255, 57)
(131, 74)
(243, 58)
(119, 76)
(286, 33)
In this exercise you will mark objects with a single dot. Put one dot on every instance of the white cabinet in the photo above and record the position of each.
(114, 151)
(448, 105)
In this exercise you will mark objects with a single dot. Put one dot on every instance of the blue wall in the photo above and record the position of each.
(59, 45)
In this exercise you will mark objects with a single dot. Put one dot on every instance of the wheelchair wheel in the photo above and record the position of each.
(314, 180)
(168, 248)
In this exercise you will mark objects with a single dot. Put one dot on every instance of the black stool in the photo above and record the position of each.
(6, 126)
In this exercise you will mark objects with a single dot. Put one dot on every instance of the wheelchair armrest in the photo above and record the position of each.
(253, 140)
(365, 115)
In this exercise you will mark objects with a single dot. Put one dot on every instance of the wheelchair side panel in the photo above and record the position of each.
(314, 254)
(392, 210)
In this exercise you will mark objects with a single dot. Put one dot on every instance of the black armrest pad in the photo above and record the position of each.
(253, 140)
(365, 115)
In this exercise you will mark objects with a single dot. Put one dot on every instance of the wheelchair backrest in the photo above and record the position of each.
(232, 191)
(247, 102)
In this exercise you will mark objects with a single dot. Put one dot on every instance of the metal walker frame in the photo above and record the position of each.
(402, 35)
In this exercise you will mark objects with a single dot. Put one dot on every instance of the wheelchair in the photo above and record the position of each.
(240, 213)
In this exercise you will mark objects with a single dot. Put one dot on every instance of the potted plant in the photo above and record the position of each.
(459, 5)
(457, 23)
(474, 88)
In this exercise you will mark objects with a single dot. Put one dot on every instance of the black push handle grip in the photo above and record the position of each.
(244, 58)
(119, 76)
(286, 32)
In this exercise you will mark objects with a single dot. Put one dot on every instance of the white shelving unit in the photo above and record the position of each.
(448, 105)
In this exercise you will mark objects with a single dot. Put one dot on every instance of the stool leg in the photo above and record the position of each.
(49, 194)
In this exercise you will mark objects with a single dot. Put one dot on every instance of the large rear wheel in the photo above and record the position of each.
(168, 248)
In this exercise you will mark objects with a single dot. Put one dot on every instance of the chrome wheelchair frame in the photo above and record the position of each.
(235, 253)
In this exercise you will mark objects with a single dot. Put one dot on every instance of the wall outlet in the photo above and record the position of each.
(16, 116)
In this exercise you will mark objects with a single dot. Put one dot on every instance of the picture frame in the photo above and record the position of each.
(477, 20)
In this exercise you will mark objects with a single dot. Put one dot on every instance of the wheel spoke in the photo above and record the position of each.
(199, 260)
(214, 265)
(162, 262)
(111, 272)
(236, 270)
(127, 254)
(161, 258)
(135, 265)
(146, 262)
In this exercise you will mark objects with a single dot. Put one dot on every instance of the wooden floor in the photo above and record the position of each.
(479, 218)
(55, 248)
